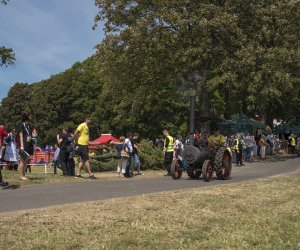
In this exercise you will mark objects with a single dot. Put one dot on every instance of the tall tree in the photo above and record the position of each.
(247, 50)
(157, 45)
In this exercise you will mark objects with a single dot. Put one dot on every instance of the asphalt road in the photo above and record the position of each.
(39, 196)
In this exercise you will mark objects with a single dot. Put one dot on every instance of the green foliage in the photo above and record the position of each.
(61, 101)
(7, 56)
(17, 101)
(104, 166)
(246, 50)
(235, 55)
(151, 156)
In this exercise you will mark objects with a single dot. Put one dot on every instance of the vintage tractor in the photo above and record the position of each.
(198, 159)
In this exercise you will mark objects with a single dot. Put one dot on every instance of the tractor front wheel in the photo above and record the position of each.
(207, 170)
(176, 171)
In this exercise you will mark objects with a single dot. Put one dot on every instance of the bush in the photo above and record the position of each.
(104, 166)
(151, 158)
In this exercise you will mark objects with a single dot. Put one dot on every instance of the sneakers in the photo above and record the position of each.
(3, 184)
(92, 177)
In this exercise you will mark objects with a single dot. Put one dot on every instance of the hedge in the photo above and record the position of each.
(151, 157)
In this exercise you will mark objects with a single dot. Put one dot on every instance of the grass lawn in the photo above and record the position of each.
(261, 214)
(37, 176)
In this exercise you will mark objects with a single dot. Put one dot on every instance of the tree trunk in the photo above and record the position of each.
(227, 111)
(244, 106)
(204, 107)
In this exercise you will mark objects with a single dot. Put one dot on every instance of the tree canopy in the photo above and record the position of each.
(236, 56)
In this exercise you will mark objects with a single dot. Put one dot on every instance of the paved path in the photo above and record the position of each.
(38, 196)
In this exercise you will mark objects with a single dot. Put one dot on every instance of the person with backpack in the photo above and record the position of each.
(64, 141)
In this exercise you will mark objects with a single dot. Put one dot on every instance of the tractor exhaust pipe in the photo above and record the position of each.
(192, 119)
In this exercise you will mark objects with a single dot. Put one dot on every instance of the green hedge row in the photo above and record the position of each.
(151, 157)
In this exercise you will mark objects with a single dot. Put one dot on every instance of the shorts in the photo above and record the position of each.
(83, 153)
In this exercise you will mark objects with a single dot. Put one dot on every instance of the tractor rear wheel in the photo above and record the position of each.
(176, 171)
(207, 170)
(223, 163)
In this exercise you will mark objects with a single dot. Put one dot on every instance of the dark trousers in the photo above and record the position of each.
(127, 171)
(13, 166)
(293, 149)
(168, 161)
(239, 157)
(72, 166)
(248, 153)
(64, 162)
(258, 150)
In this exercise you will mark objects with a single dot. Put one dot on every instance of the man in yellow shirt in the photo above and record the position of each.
(216, 139)
(82, 138)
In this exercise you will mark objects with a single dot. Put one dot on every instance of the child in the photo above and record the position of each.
(56, 158)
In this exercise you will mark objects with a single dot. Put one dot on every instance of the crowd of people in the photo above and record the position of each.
(243, 146)
(20, 143)
(127, 150)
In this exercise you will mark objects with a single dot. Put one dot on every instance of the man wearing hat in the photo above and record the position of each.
(216, 140)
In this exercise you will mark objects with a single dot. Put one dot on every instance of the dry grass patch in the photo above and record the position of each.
(260, 214)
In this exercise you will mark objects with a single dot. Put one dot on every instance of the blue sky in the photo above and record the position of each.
(47, 36)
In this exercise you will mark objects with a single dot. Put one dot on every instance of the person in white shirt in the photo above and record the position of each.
(128, 145)
(178, 147)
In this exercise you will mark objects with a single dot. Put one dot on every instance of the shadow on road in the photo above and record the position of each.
(277, 158)
(11, 187)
